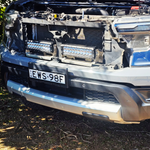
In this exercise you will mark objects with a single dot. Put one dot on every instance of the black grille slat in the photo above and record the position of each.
(19, 79)
(100, 96)
(56, 89)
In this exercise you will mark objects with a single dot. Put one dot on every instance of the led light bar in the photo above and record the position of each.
(78, 51)
(43, 47)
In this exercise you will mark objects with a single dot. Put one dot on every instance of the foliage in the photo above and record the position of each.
(3, 5)
(2, 10)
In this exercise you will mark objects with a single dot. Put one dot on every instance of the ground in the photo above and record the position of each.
(57, 130)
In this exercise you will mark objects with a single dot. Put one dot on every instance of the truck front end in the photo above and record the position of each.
(87, 58)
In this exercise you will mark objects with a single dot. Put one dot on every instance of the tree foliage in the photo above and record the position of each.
(2, 10)
(3, 5)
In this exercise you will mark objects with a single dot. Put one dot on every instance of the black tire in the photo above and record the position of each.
(4, 76)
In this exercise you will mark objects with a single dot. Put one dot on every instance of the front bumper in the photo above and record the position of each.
(73, 105)
(131, 107)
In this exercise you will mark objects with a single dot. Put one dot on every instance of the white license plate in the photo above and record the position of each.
(47, 76)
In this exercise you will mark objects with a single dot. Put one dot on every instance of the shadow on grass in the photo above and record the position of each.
(56, 129)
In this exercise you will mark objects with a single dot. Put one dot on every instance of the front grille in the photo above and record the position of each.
(87, 95)
(100, 97)
(19, 79)
(56, 89)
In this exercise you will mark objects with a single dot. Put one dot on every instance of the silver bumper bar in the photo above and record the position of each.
(77, 106)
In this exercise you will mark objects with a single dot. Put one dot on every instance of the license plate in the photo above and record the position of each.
(47, 76)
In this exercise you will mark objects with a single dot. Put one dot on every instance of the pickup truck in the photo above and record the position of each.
(91, 58)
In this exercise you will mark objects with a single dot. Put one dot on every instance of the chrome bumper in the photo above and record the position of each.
(77, 106)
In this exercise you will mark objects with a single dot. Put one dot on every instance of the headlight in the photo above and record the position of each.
(140, 58)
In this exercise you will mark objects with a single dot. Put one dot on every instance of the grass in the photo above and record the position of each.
(58, 130)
